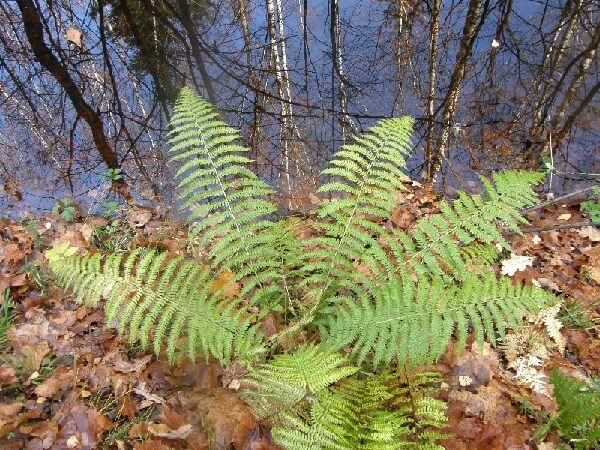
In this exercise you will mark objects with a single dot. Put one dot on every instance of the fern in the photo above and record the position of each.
(296, 392)
(291, 379)
(153, 292)
(479, 258)
(224, 198)
(367, 176)
(578, 416)
(413, 322)
(433, 247)
(383, 296)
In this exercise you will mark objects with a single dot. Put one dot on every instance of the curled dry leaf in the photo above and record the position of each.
(142, 390)
(119, 363)
(163, 431)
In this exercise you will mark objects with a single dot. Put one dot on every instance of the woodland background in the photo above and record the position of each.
(89, 85)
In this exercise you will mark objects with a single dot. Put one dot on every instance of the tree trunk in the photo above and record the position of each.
(473, 24)
(434, 29)
(283, 90)
(338, 64)
(190, 29)
(35, 35)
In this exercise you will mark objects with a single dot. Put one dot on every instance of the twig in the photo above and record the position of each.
(562, 226)
(555, 200)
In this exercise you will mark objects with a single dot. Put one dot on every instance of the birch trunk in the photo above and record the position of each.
(471, 29)
(338, 63)
(433, 46)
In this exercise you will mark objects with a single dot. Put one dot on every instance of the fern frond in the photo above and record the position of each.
(374, 413)
(413, 322)
(479, 258)
(284, 383)
(367, 175)
(226, 201)
(578, 410)
(150, 293)
(433, 247)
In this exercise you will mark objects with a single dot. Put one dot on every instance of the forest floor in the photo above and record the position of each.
(68, 381)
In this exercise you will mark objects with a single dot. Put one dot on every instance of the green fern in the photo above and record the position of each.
(578, 417)
(298, 394)
(479, 258)
(433, 247)
(226, 202)
(367, 176)
(413, 322)
(154, 293)
(386, 297)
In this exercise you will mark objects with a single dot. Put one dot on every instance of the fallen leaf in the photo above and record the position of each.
(46, 431)
(61, 379)
(515, 263)
(231, 419)
(138, 216)
(592, 268)
(17, 420)
(591, 233)
(171, 418)
(73, 442)
(230, 289)
(465, 380)
(163, 431)
(127, 407)
(121, 365)
(8, 411)
(7, 375)
(565, 216)
(34, 355)
(141, 390)
(77, 419)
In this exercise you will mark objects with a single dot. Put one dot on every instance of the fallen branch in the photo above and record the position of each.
(555, 200)
(562, 226)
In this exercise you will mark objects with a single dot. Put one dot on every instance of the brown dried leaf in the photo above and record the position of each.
(230, 417)
(591, 233)
(8, 411)
(61, 379)
(117, 361)
(7, 375)
(141, 390)
(171, 418)
(138, 216)
(230, 289)
(34, 355)
(163, 431)
(127, 407)
(77, 419)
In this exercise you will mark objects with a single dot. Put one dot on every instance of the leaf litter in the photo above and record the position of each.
(68, 381)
